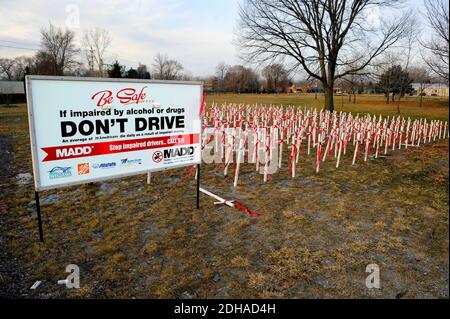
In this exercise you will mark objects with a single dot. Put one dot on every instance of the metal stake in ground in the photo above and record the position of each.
(198, 186)
(38, 211)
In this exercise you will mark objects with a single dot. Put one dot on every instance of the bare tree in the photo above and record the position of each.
(410, 39)
(277, 78)
(186, 76)
(241, 79)
(43, 64)
(438, 47)
(166, 69)
(221, 71)
(23, 65)
(159, 62)
(58, 49)
(7, 68)
(6, 71)
(95, 43)
(15, 69)
(421, 76)
(323, 37)
(352, 82)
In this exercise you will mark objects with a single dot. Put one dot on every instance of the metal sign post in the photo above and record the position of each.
(198, 186)
(38, 211)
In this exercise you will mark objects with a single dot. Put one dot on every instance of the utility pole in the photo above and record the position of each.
(90, 58)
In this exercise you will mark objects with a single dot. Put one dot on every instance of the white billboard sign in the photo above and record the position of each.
(88, 129)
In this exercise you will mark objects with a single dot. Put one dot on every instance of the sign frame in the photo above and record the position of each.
(32, 129)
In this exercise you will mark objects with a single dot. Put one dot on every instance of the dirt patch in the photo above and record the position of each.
(12, 276)
(6, 156)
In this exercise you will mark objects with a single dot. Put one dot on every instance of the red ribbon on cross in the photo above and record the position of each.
(245, 209)
(293, 155)
(202, 106)
(189, 172)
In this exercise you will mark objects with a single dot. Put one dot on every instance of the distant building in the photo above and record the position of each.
(300, 89)
(294, 89)
(430, 89)
(208, 86)
(11, 87)
(11, 92)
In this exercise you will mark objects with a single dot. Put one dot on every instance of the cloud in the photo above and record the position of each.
(198, 33)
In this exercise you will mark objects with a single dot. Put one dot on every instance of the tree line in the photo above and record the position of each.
(273, 78)
(59, 55)
(333, 42)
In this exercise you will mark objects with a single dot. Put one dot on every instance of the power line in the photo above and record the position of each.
(115, 55)
(19, 42)
(112, 55)
(19, 48)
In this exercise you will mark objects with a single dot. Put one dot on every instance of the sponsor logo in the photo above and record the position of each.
(157, 156)
(104, 165)
(60, 172)
(73, 151)
(126, 96)
(83, 169)
(130, 162)
(178, 152)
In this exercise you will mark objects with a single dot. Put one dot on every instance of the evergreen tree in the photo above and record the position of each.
(395, 80)
(116, 70)
(132, 74)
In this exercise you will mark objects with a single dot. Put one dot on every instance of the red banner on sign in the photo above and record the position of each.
(56, 153)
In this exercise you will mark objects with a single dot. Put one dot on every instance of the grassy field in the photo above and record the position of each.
(315, 237)
(432, 108)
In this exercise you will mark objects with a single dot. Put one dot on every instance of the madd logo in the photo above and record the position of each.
(158, 156)
(178, 152)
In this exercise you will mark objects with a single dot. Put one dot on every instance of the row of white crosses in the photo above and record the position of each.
(263, 132)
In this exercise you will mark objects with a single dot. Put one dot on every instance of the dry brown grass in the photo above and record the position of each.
(316, 235)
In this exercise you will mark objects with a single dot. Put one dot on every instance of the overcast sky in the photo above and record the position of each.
(198, 33)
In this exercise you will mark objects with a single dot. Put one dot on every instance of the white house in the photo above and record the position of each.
(431, 89)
